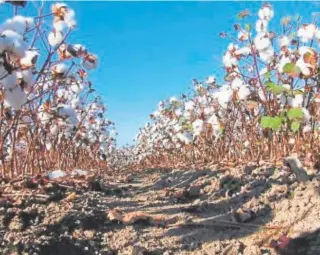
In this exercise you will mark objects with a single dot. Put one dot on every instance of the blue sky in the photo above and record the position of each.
(149, 51)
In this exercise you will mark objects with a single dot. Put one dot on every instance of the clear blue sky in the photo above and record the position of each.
(151, 50)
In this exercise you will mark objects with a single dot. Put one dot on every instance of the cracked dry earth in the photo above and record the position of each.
(244, 210)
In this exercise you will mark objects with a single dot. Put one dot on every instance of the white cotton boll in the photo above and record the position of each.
(266, 13)
(267, 55)
(48, 145)
(54, 129)
(306, 115)
(244, 51)
(197, 126)
(287, 86)
(59, 25)
(15, 98)
(305, 49)
(172, 99)
(13, 42)
(70, 18)
(244, 92)
(303, 67)
(228, 60)
(224, 96)
(177, 128)
(189, 106)
(262, 41)
(207, 110)
(75, 88)
(306, 32)
(307, 128)
(61, 93)
(75, 103)
(19, 24)
(297, 101)
(210, 80)
(292, 141)
(282, 99)
(60, 69)
(261, 95)
(55, 38)
(317, 33)
(187, 115)
(30, 58)
(178, 112)
(26, 76)
(284, 41)
(68, 112)
(261, 26)
(236, 83)
(44, 117)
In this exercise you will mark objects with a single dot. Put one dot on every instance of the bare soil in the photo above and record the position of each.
(244, 210)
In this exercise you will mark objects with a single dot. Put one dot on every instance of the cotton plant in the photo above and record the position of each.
(47, 103)
(269, 94)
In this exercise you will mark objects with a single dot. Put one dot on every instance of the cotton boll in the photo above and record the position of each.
(189, 106)
(15, 98)
(266, 13)
(224, 96)
(178, 112)
(303, 67)
(70, 19)
(267, 55)
(59, 25)
(198, 127)
(13, 42)
(307, 128)
(261, 26)
(261, 95)
(306, 115)
(244, 51)
(262, 41)
(284, 41)
(187, 115)
(297, 101)
(25, 76)
(236, 83)
(207, 110)
(244, 92)
(54, 129)
(210, 80)
(55, 38)
(306, 32)
(68, 113)
(30, 59)
(229, 61)
(19, 24)
(172, 99)
(60, 70)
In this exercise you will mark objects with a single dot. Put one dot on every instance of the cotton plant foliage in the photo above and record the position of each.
(51, 116)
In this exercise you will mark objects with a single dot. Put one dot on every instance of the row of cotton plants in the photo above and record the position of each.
(51, 116)
(266, 107)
